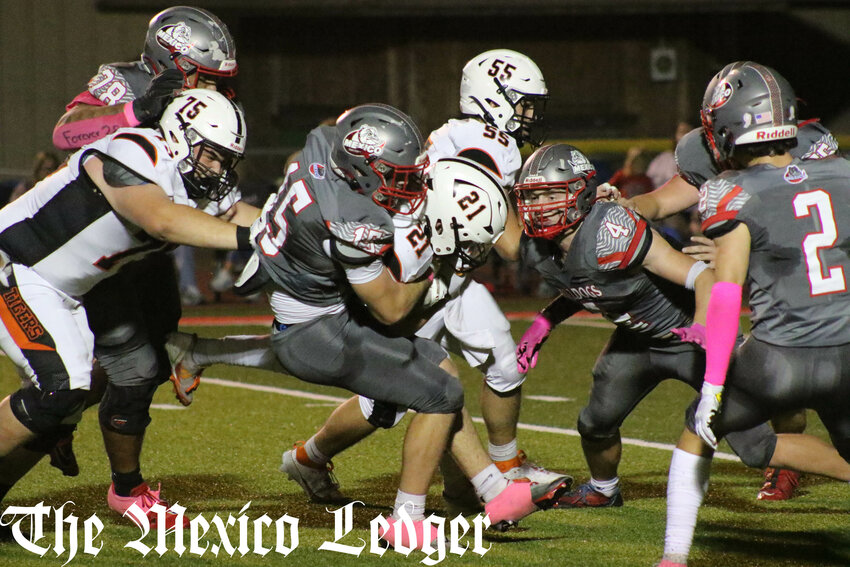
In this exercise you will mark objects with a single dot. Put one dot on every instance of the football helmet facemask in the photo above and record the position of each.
(506, 89)
(555, 191)
(199, 125)
(466, 212)
(378, 150)
(192, 40)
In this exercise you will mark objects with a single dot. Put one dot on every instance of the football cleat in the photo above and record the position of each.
(519, 500)
(779, 484)
(668, 563)
(145, 498)
(63, 458)
(185, 377)
(585, 496)
(319, 484)
(391, 535)
(520, 467)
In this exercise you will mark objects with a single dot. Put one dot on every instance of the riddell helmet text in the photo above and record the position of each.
(775, 134)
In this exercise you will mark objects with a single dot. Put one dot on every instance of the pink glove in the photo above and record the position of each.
(530, 343)
(693, 334)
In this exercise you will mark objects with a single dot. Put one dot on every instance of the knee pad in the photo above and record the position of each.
(381, 414)
(134, 362)
(591, 431)
(124, 409)
(45, 412)
(754, 446)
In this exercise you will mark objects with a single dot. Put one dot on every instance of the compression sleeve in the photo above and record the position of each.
(721, 330)
(74, 135)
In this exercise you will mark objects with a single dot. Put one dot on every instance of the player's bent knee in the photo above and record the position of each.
(381, 414)
(448, 400)
(593, 430)
(504, 379)
(124, 409)
(133, 365)
(45, 442)
(754, 446)
(45, 412)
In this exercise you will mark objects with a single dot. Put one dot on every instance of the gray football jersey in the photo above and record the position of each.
(117, 83)
(316, 226)
(799, 222)
(696, 166)
(603, 272)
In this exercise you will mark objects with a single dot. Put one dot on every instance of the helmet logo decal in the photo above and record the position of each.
(175, 37)
(364, 141)
(795, 174)
(721, 95)
(579, 162)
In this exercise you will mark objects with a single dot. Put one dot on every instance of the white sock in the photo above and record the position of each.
(607, 487)
(489, 483)
(687, 484)
(414, 504)
(252, 351)
(504, 452)
(313, 452)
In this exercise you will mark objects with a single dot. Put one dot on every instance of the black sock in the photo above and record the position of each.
(4, 489)
(126, 482)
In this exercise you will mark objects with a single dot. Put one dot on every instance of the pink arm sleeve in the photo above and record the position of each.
(721, 330)
(74, 135)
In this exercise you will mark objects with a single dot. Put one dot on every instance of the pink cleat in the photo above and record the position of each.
(396, 526)
(668, 563)
(143, 497)
(520, 499)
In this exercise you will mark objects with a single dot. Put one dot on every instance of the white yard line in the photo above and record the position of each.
(525, 426)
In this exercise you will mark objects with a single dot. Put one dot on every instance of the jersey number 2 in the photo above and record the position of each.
(803, 204)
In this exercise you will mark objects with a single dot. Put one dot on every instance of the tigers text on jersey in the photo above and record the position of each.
(799, 222)
(65, 229)
(602, 270)
(696, 166)
(473, 139)
(316, 226)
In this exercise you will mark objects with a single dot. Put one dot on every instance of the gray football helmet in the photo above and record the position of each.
(192, 40)
(378, 150)
(555, 191)
(747, 103)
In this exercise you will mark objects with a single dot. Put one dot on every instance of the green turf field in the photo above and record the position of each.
(223, 451)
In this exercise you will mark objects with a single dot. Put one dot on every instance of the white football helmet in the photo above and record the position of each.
(466, 211)
(205, 118)
(507, 90)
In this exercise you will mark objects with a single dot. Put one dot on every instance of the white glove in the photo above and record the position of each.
(709, 406)
(435, 292)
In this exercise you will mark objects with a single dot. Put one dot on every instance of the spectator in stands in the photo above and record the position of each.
(631, 179)
(44, 164)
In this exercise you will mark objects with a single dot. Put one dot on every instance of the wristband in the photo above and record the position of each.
(694, 273)
(130, 116)
(243, 238)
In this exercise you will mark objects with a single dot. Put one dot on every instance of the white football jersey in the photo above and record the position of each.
(471, 138)
(65, 229)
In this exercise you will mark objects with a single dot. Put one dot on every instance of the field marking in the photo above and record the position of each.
(549, 398)
(526, 426)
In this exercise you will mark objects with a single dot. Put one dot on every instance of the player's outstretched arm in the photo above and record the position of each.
(150, 209)
(674, 196)
(508, 244)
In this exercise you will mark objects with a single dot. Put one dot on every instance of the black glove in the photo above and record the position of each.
(150, 105)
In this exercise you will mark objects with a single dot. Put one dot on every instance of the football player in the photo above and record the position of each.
(604, 258)
(322, 244)
(116, 200)
(776, 220)
(184, 47)
(696, 165)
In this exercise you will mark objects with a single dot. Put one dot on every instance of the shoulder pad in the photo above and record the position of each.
(814, 141)
(137, 150)
(693, 158)
(622, 238)
(720, 200)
